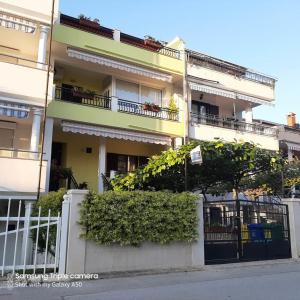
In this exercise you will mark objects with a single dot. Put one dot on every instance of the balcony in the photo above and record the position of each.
(128, 49)
(144, 110)
(83, 98)
(113, 112)
(24, 79)
(37, 10)
(230, 77)
(209, 127)
(99, 101)
(20, 171)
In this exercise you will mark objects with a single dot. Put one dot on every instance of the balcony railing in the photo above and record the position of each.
(228, 123)
(11, 59)
(19, 153)
(140, 109)
(124, 38)
(83, 98)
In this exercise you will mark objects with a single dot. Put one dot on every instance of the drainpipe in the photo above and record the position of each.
(46, 102)
(185, 112)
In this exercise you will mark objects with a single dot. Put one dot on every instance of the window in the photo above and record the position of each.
(202, 108)
(124, 163)
(127, 91)
(6, 138)
(138, 93)
(151, 95)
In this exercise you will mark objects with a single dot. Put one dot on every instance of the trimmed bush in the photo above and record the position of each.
(131, 218)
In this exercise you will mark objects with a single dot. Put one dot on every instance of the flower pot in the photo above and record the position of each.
(89, 23)
(153, 44)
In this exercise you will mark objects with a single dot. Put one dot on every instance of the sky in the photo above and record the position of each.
(263, 35)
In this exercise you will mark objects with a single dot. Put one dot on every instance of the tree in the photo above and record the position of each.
(224, 165)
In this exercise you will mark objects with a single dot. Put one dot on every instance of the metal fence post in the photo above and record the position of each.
(64, 235)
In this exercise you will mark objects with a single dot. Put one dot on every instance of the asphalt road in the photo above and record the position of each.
(278, 280)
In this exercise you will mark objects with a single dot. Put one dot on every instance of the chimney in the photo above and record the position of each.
(291, 119)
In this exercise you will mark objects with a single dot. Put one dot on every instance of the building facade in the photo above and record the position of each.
(24, 47)
(113, 100)
(222, 96)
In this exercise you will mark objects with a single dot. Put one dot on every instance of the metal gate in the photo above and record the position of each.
(245, 230)
(20, 240)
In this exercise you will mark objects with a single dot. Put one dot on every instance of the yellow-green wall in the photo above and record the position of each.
(98, 116)
(92, 42)
(84, 165)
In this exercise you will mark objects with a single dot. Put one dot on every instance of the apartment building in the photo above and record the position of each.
(222, 96)
(118, 99)
(113, 99)
(24, 42)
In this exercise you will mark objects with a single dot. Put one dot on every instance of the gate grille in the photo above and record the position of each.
(245, 230)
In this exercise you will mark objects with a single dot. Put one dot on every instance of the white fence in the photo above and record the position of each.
(29, 244)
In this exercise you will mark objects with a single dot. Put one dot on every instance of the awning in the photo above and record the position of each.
(227, 94)
(16, 23)
(293, 146)
(97, 59)
(211, 90)
(254, 99)
(115, 133)
(9, 109)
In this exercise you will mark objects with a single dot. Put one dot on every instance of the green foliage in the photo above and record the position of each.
(172, 105)
(223, 168)
(277, 181)
(131, 218)
(52, 201)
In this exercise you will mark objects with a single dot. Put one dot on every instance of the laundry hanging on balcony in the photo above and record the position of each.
(97, 59)
(115, 133)
(9, 109)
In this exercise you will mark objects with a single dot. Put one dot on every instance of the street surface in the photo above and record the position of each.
(276, 280)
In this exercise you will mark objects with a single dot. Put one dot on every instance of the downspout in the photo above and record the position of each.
(46, 103)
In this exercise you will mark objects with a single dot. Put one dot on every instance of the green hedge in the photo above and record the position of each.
(131, 218)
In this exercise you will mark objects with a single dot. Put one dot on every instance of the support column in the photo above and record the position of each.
(42, 49)
(198, 259)
(48, 149)
(114, 98)
(26, 239)
(102, 164)
(294, 222)
(35, 131)
(249, 115)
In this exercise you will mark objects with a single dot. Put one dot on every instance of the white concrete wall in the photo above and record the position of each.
(21, 175)
(233, 83)
(294, 218)
(38, 10)
(209, 133)
(87, 257)
(24, 84)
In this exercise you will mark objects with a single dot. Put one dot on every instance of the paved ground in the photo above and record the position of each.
(278, 280)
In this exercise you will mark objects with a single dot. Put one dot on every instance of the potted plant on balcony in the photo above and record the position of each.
(151, 107)
(173, 109)
(152, 43)
(87, 21)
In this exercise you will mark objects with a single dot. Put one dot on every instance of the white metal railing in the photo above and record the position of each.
(230, 123)
(20, 251)
(17, 23)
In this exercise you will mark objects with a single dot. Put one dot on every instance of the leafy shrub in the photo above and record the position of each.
(131, 218)
(52, 201)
